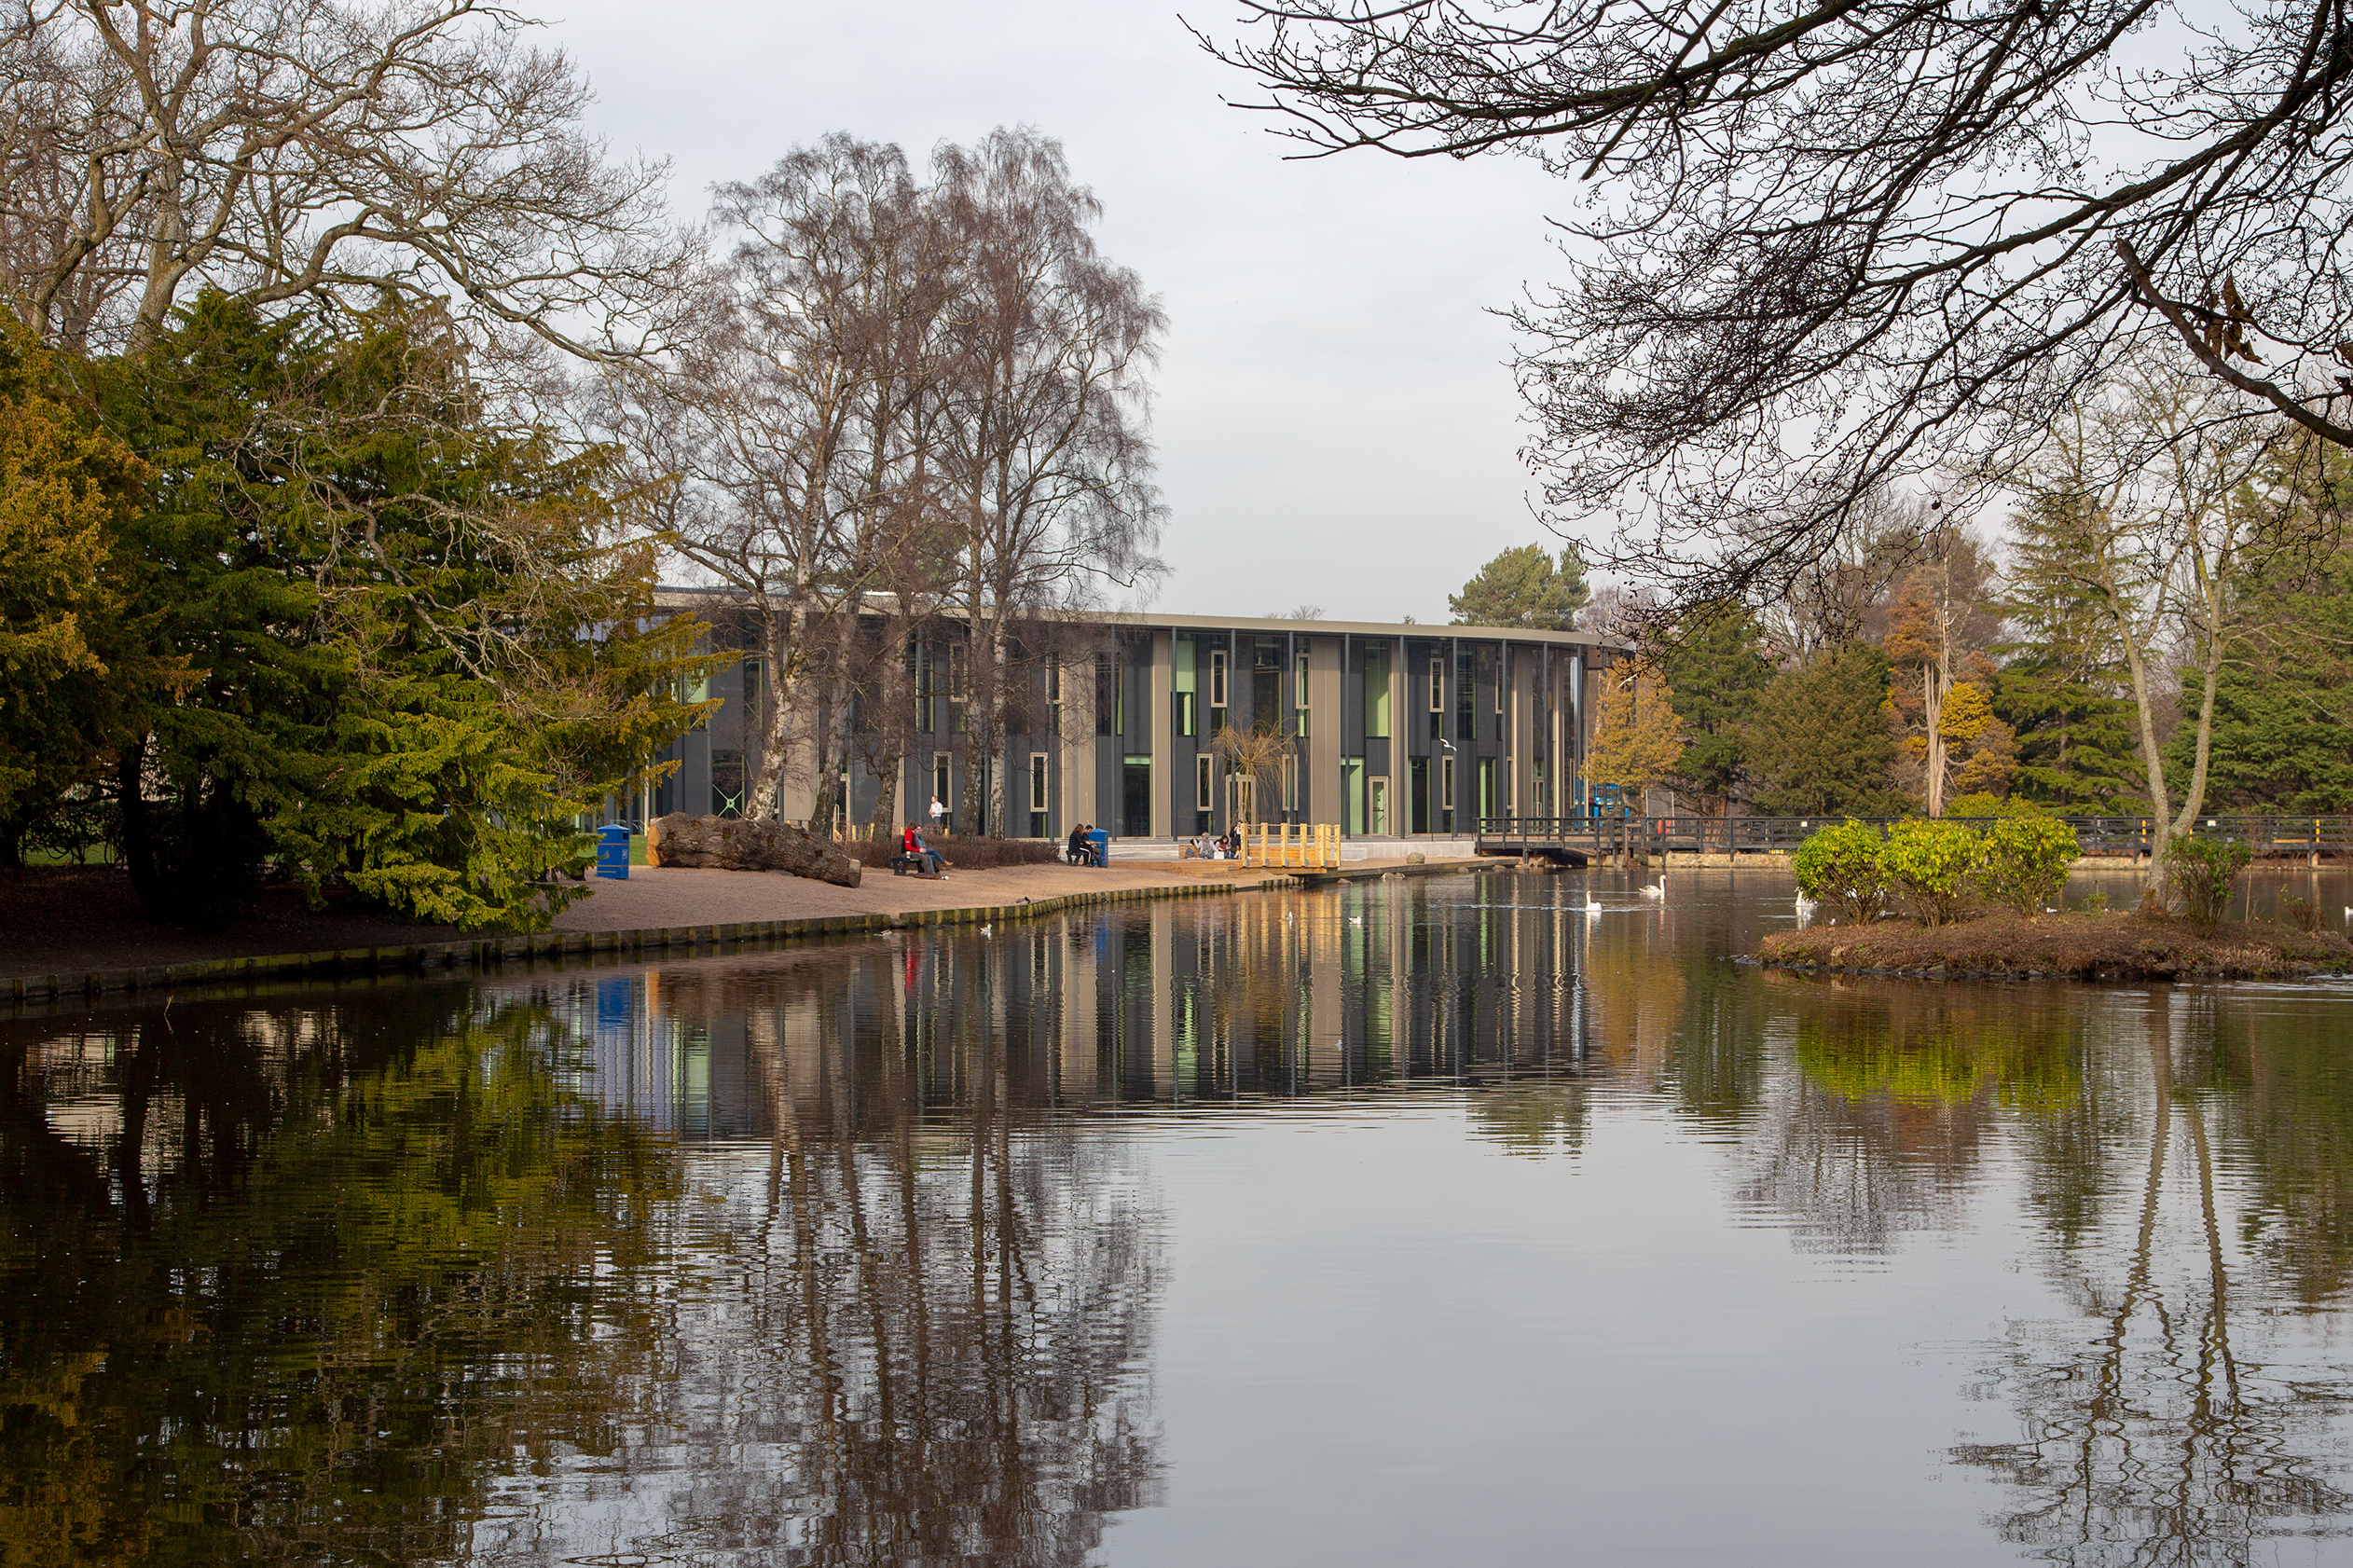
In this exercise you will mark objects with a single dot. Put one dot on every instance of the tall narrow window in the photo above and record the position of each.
(1054, 697)
(1446, 783)
(1206, 780)
(1299, 698)
(1038, 828)
(1103, 694)
(1438, 684)
(1180, 660)
(1217, 678)
(1290, 781)
(1376, 691)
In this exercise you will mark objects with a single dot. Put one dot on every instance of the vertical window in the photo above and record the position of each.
(1217, 678)
(1299, 697)
(1054, 697)
(1376, 691)
(1466, 695)
(1290, 781)
(1206, 780)
(1103, 694)
(1183, 683)
(1038, 828)
(1119, 696)
(1446, 783)
(1438, 684)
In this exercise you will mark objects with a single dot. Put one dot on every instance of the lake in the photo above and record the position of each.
(1412, 1221)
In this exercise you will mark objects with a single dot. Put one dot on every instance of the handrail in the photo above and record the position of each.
(2268, 834)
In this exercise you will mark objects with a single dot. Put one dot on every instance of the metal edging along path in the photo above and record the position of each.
(22, 991)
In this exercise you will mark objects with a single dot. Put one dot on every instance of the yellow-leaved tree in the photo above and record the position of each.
(1637, 737)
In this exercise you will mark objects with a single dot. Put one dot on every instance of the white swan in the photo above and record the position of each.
(1592, 904)
(1806, 907)
(1657, 889)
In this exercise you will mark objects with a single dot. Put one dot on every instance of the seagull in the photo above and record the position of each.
(1356, 920)
(983, 931)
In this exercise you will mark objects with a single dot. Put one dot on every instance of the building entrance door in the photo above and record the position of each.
(1136, 799)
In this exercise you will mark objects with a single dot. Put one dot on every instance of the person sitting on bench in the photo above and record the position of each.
(1079, 852)
(925, 859)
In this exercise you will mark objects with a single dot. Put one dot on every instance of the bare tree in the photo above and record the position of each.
(2145, 500)
(278, 148)
(1046, 463)
(782, 429)
(1823, 247)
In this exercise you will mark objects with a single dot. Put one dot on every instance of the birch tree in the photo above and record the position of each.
(1046, 466)
(2144, 501)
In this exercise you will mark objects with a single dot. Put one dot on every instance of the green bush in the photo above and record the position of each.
(1841, 867)
(2200, 874)
(1930, 863)
(2022, 861)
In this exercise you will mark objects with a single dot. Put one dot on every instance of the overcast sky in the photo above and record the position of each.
(1336, 419)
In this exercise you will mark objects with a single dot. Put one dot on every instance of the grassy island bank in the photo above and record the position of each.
(2075, 946)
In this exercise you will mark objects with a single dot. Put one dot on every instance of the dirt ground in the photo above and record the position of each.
(70, 920)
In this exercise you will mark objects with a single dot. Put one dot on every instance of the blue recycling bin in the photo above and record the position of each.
(612, 851)
(1100, 843)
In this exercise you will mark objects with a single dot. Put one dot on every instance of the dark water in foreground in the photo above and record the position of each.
(1414, 1222)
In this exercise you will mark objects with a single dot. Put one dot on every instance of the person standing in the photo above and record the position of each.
(939, 813)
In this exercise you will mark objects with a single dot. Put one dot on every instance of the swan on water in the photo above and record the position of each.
(1657, 889)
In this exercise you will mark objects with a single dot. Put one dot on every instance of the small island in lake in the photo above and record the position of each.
(2106, 945)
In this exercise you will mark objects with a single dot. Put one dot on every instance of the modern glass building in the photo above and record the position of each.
(1388, 731)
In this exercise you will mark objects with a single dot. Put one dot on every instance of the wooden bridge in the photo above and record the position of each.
(1577, 840)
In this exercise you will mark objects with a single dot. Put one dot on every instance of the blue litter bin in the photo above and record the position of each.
(1101, 843)
(612, 851)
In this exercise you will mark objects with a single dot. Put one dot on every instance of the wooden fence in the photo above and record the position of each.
(1308, 846)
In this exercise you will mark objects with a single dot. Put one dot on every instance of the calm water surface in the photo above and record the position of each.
(1412, 1222)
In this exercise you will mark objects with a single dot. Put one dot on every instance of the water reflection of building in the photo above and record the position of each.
(1277, 993)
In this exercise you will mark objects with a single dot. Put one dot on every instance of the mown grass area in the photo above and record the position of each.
(2075, 946)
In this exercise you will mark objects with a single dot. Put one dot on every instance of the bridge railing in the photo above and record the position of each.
(2268, 835)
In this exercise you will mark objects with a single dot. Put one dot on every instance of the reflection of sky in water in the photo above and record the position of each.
(1419, 1221)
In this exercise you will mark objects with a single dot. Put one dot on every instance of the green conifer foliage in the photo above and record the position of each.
(2062, 687)
(1820, 745)
(65, 494)
(1718, 676)
(2283, 714)
(415, 661)
(1524, 587)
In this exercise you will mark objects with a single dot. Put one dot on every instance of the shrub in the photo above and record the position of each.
(2200, 874)
(1841, 867)
(2022, 861)
(964, 853)
(2300, 912)
(1931, 864)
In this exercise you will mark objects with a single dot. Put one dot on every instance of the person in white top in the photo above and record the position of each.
(938, 811)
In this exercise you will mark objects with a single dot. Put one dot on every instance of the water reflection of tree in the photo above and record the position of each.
(2150, 1433)
(921, 1333)
(1896, 1090)
(303, 1281)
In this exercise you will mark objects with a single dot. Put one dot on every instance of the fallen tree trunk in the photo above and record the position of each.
(735, 844)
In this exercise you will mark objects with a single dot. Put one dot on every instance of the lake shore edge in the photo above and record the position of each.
(2108, 946)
